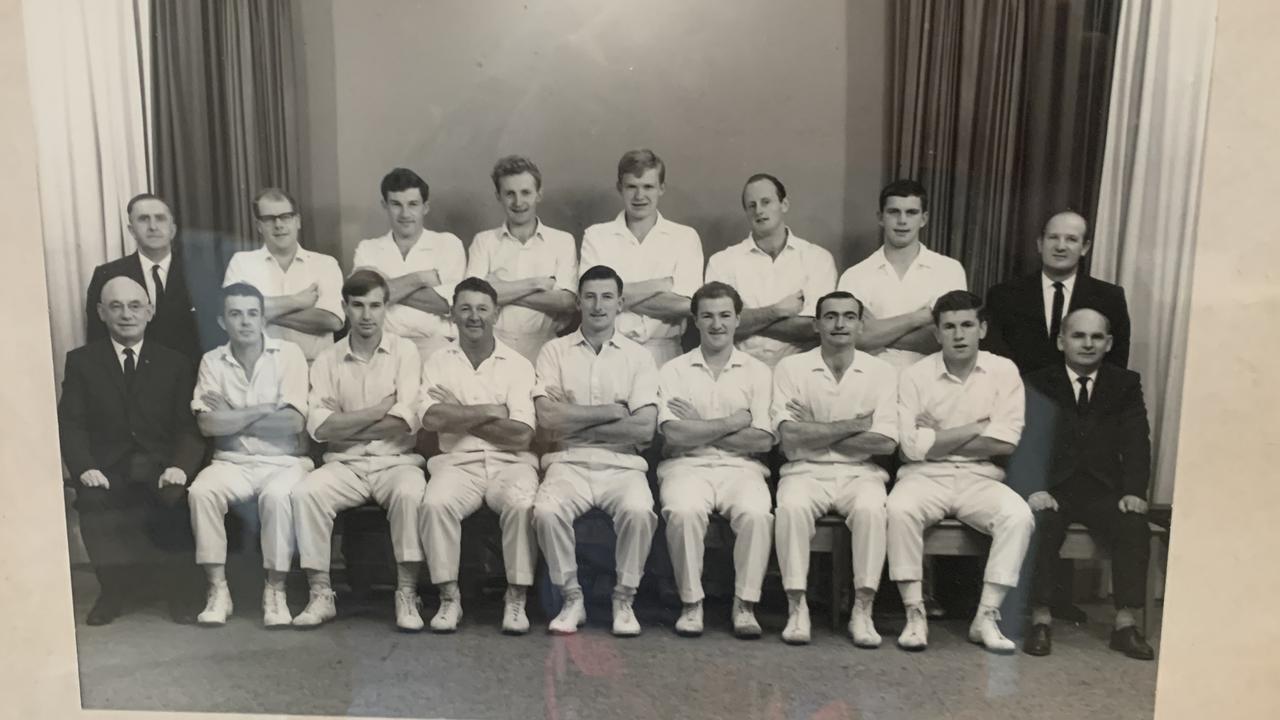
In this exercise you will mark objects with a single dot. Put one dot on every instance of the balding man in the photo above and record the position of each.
(131, 445)
(156, 266)
(1026, 313)
(1098, 473)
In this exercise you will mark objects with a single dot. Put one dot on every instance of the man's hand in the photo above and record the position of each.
(561, 395)
(428, 278)
(683, 409)
(497, 411)
(927, 420)
(864, 421)
(790, 306)
(440, 395)
(1133, 504)
(800, 412)
(94, 478)
(667, 284)
(172, 476)
(387, 403)
(545, 284)
(309, 295)
(215, 401)
(1042, 501)
(330, 404)
(741, 419)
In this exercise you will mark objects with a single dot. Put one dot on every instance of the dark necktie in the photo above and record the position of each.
(155, 276)
(129, 366)
(1082, 402)
(1055, 315)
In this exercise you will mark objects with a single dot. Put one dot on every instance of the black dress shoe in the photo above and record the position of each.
(1130, 642)
(106, 609)
(1039, 641)
(1070, 613)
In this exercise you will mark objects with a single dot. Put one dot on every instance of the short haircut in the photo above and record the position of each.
(128, 208)
(242, 289)
(364, 281)
(401, 179)
(836, 295)
(905, 188)
(715, 289)
(599, 272)
(475, 284)
(957, 300)
(273, 193)
(1062, 330)
(514, 165)
(777, 185)
(638, 162)
(1068, 211)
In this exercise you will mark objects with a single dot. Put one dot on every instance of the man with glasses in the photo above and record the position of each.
(302, 289)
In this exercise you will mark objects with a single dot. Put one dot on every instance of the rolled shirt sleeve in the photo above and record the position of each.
(668, 389)
(1008, 414)
(566, 277)
(408, 385)
(785, 389)
(884, 419)
(820, 279)
(644, 386)
(761, 395)
(329, 281)
(915, 442)
(479, 261)
(235, 271)
(547, 370)
(688, 272)
(293, 384)
(452, 267)
(322, 386)
(206, 382)
(520, 394)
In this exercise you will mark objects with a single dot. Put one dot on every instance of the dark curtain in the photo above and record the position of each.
(225, 116)
(1000, 110)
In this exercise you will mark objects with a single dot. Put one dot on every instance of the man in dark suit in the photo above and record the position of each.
(1025, 319)
(157, 267)
(1026, 313)
(131, 444)
(1097, 472)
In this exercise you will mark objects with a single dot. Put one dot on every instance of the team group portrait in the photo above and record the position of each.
(501, 438)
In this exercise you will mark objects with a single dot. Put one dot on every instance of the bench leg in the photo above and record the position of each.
(1149, 609)
(841, 574)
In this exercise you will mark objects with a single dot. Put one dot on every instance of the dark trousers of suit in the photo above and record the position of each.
(135, 526)
(1126, 535)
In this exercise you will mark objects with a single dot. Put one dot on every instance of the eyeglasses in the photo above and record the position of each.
(272, 219)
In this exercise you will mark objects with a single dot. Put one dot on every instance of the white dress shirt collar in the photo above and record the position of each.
(137, 352)
(1075, 381)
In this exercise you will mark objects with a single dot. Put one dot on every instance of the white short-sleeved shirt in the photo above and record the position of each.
(869, 385)
(762, 280)
(623, 372)
(279, 378)
(549, 253)
(876, 283)
(437, 251)
(993, 390)
(259, 269)
(503, 378)
(669, 250)
(744, 383)
(355, 384)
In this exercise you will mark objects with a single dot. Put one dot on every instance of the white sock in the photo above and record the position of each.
(275, 579)
(217, 575)
(993, 595)
(318, 580)
(449, 590)
(912, 592)
(407, 576)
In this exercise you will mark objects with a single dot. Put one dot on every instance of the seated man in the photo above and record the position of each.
(597, 398)
(1098, 474)
(130, 443)
(251, 398)
(958, 409)
(363, 403)
(478, 395)
(834, 407)
(714, 415)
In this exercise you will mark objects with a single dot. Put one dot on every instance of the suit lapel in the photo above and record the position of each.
(1033, 301)
(110, 365)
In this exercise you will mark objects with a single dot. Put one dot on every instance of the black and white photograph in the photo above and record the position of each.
(577, 359)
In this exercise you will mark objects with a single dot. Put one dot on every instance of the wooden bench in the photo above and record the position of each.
(954, 538)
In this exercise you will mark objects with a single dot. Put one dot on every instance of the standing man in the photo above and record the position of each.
(779, 276)
(301, 289)
(1099, 472)
(131, 444)
(157, 267)
(363, 403)
(478, 395)
(533, 268)
(251, 398)
(661, 261)
(597, 398)
(900, 281)
(958, 409)
(1027, 313)
(421, 266)
(834, 408)
(714, 415)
